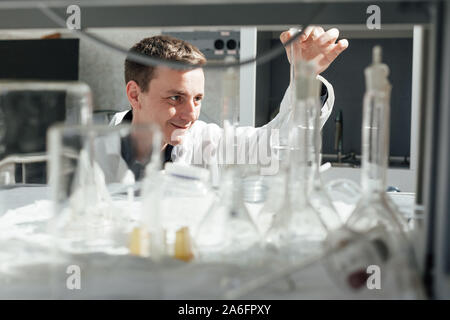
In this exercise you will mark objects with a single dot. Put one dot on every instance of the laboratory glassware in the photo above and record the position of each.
(23, 128)
(280, 153)
(277, 192)
(183, 196)
(374, 210)
(227, 232)
(373, 207)
(317, 193)
(297, 226)
(27, 109)
(95, 172)
(345, 194)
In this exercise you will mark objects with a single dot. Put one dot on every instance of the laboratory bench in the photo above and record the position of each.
(32, 268)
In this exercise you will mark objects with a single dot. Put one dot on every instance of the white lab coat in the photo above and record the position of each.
(203, 140)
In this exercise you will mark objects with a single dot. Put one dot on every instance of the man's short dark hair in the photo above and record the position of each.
(162, 47)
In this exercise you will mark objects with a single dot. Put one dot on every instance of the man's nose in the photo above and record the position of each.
(189, 111)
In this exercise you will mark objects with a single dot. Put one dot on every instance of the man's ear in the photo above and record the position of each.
(133, 92)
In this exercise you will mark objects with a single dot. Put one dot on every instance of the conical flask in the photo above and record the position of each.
(277, 193)
(297, 227)
(374, 208)
(317, 194)
(280, 153)
(228, 233)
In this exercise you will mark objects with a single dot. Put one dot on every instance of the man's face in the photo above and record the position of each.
(173, 101)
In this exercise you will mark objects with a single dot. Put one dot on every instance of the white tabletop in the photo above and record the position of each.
(25, 272)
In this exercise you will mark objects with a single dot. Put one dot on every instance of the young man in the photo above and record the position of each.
(172, 98)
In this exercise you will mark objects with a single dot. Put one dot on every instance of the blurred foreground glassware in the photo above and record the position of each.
(227, 232)
(23, 127)
(297, 227)
(276, 196)
(350, 251)
(94, 173)
(173, 205)
(317, 193)
(27, 109)
(344, 194)
(280, 153)
(372, 208)
(375, 210)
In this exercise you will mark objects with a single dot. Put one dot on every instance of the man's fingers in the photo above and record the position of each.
(315, 44)
(284, 37)
(328, 37)
(307, 33)
(334, 50)
(316, 33)
(342, 45)
(311, 33)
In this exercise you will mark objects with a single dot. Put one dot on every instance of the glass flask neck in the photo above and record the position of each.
(375, 144)
(232, 189)
(305, 131)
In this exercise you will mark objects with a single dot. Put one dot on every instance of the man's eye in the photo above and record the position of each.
(198, 99)
(174, 98)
